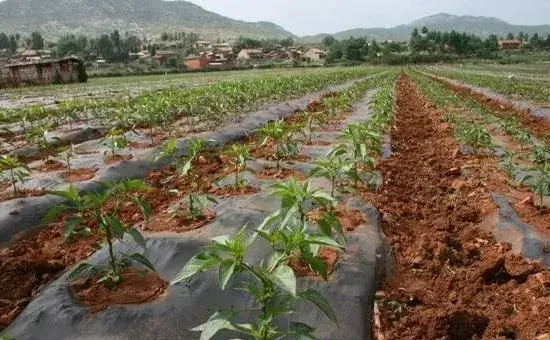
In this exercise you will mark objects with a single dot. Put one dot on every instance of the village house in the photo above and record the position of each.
(196, 62)
(510, 45)
(42, 72)
(250, 54)
(315, 54)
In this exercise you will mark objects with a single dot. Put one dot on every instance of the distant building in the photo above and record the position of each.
(196, 63)
(510, 45)
(64, 70)
(315, 54)
(250, 54)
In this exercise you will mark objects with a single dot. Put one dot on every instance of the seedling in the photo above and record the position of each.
(541, 183)
(363, 142)
(240, 154)
(39, 137)
(333, 168)
(196, 206)
(279, 133)
(273, 288)
(475, 136)
(110, 225)
(115, 140)
(509, 164)
(170, 151)
(69, 154)
(17, 171)
(540, 155)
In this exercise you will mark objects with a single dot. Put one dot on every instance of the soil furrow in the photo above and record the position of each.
(451, 279)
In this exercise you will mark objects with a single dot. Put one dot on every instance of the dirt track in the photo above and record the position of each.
(451, 280)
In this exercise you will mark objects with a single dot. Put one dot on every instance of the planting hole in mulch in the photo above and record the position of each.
(350, 219)
(230, 191)
(52, 165)
(328, 256)
(21, 193)
(112, 159)
(78, 175)
(283, 173)
(178, 224)
(136, 287)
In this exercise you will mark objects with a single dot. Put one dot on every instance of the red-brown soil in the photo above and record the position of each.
(21, 193)
(177, 224)
(350, 219)
(34, 261)
(269, 150)
(230, 191)
(328, 256)
(136, 287)
(78, 175)
(283, 173)
(52, 165)
(451, 279)
(112, 159)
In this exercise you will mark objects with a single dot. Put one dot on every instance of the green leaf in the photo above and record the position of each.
(144, 207)
(301, 331)
(186, 168)
(81, 269)
(227, 268)
(321, 302)
(114, 225)
(143, 260)
(138, 238)
(52, 214)
(325, 241)
(70, 227)
(196, 265)
(216, 323)
(285, 279)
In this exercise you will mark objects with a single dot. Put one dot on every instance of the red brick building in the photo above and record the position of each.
(195, 63)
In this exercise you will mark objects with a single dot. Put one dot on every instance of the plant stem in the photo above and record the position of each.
(13, 180)
(108, 236)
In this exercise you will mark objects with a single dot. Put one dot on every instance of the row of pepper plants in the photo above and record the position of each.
(479, 139)
(530, 89)
(288, 231)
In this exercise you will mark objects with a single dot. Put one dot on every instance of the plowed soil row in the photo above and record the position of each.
(451, 279)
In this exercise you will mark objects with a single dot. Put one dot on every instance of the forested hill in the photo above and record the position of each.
(143, 17)
(481, 26)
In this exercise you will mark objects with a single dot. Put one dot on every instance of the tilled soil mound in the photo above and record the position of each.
(452, 280)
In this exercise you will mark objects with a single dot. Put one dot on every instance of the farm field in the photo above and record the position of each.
(346, 203)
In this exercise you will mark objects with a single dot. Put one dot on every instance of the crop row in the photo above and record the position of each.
(218, 99)
(533, 154)
(536, 90)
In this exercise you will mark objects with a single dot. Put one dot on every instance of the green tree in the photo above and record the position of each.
(329, 40)
(164, 36)
(424, 30)
(37, 41)
(510, 36)
(4, 41)
(13, 44)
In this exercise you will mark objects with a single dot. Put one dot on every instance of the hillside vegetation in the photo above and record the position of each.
(143, 17)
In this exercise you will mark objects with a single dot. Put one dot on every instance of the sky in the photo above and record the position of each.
(304, 17)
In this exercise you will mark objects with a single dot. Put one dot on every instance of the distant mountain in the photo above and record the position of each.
(483, 26)
(144, 17)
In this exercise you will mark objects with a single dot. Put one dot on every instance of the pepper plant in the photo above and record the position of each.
(541, 182)
(240, 154)
(363, 142)
(272, 284)
(115, 140)
(281, 135)
(110, 225)
(334, 167)
(475, 136)
(39, 137)
(17, 171)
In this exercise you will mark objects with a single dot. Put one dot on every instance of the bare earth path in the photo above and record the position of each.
(452, 280)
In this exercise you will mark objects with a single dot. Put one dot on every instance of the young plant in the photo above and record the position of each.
(111, 227)
(170, 151)
(69, 154)
(17, 171)
(272, 284)
(115, 140)
(509, 164)
(240, 155)
(541, 184)
(540, 155)
(333, 168)
(309, 127)
(39, 137)
(279, 133)
(475, 136)
(363, 142)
